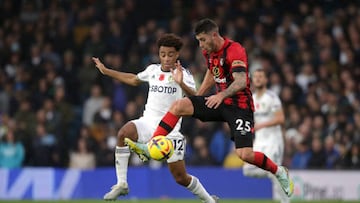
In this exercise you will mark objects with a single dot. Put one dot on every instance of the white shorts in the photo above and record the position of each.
(145, 129)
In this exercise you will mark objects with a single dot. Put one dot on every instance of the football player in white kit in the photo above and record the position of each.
(268, 117)
(168, 81)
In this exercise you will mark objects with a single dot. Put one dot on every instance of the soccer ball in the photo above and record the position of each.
(160, 148)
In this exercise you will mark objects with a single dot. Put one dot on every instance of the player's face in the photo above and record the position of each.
(259, 79)
(206, 41)
(168, 57)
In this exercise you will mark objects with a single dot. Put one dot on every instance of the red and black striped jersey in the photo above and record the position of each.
(230, 58)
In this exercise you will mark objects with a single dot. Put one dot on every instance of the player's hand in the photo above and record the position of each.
(214, 101)
(99, 65)
(177, 73)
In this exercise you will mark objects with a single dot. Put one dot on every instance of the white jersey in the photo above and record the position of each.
(163, 91)
(265, 107)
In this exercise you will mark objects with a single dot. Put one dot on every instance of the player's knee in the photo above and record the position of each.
(181, 107)
(124, 133)
(176, 107)
(127, 131)
(245, 155)
(121, 135)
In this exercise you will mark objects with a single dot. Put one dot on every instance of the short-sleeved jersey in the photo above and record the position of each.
(230, 58)
(163, 91)
(265, 107)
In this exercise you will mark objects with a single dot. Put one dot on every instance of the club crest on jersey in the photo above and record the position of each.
(221, 61)
(161, 77)
(170, 79)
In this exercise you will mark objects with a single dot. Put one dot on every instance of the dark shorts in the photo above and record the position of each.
(241, 121)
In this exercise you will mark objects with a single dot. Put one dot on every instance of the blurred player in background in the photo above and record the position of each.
(268, 117)
(168, 81)
(232, 103)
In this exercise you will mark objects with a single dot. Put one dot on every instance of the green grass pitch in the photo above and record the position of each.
(166, 201)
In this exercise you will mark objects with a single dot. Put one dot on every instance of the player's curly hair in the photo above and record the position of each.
(170, 40)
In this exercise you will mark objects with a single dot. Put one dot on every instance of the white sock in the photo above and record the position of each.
(122, 155)
(198, 189)
(278, 192)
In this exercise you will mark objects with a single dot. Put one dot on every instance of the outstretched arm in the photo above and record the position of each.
(127, 78)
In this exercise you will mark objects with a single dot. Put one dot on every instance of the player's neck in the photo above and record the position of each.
(220, 43)
(260, 91)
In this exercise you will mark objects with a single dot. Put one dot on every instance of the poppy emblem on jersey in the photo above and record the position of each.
(216, 62)
(161, 77)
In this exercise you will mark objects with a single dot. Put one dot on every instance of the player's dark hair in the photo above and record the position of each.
(205, 26)
(170, 40)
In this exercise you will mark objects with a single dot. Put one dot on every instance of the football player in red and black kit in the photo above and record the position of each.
(228, 71)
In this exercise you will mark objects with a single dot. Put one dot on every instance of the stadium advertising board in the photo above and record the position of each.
(323, 185)
(53, 184)
(49, 183)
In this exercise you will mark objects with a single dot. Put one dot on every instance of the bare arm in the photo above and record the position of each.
(237, 85)
(187, 90)
(207, 83)
(279, 119)
(127, 78)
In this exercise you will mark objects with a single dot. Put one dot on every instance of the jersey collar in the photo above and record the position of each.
(162, 70)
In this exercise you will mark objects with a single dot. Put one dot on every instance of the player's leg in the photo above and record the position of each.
(191, 183)
(136, 130)
(122, 154)
(251, 170)
(177, 168)
(275, 153)
(241, 123)
(181, 107)
(189, 106)
(262, 161)
(168, 122)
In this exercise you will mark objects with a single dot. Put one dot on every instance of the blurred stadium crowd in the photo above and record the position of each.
(58, 110)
